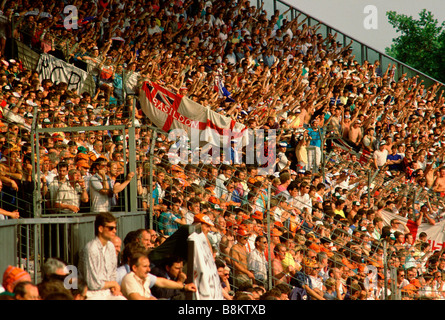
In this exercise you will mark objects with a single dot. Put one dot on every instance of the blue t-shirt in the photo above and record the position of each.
(117, 81)
(394, 167)
(167, 223)
(315, 137)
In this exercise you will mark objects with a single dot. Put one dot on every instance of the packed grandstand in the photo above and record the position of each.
(345, 202)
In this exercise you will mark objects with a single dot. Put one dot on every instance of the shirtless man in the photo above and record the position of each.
(238, 254)
(280, 274)
(439, 183)
(346, 124)
(336, 120)
(355, 134)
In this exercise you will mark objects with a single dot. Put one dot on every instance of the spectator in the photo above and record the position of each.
(143, 238)
(117, 242)
(281, 273)
(26, 290)
(11, 277)
(302, 280)
(380, 155)
(121, 183)
(129, 250)
(98, 263)
(54, 269)
(137, 284)
(224, 276)
(257, 262)
(238, 255)
(54, 186)
(170, 221)
(170, 269)
(101, 191)
(72, 194)
(5, 214)
(79, 292)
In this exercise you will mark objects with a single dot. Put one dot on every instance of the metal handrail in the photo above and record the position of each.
(363, 46)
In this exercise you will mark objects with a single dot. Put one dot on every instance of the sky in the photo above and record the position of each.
(348, 16)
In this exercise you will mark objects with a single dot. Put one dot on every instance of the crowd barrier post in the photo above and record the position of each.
(395, 291)
(385, 270)
(413, 216)
(150, 192)
(323, 156)
(191, 259)
(369, 187)
(269, 253)
(131, 205)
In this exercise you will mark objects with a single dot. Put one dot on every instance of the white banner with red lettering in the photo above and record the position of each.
(169, 111)
(435, 233)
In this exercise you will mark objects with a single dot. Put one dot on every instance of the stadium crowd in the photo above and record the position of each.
(324, 237)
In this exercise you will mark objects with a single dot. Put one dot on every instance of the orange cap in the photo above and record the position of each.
(82, 163)
(203, 218)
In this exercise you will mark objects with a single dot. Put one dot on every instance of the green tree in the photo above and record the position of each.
(421, 43)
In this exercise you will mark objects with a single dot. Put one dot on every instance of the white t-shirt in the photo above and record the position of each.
(380, 157)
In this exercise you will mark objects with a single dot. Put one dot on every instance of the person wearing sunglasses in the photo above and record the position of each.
(98, 263)
(257, 262)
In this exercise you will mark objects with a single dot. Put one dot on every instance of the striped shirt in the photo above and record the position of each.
(99, 202)
(69, 195)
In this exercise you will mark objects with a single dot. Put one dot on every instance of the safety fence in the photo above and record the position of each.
(27, 243)
(48, 149)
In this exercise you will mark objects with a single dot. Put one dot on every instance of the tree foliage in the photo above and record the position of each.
(421, 43)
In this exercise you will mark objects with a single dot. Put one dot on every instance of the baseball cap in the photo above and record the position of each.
(177, 168)
(82, 163)
(241, 232)
(203, 218)
(82, 149)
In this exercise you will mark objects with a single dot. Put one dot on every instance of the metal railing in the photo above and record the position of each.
(27, 243)
(41, 232)
(361, 51)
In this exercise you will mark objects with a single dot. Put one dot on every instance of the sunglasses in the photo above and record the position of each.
(111, 228)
